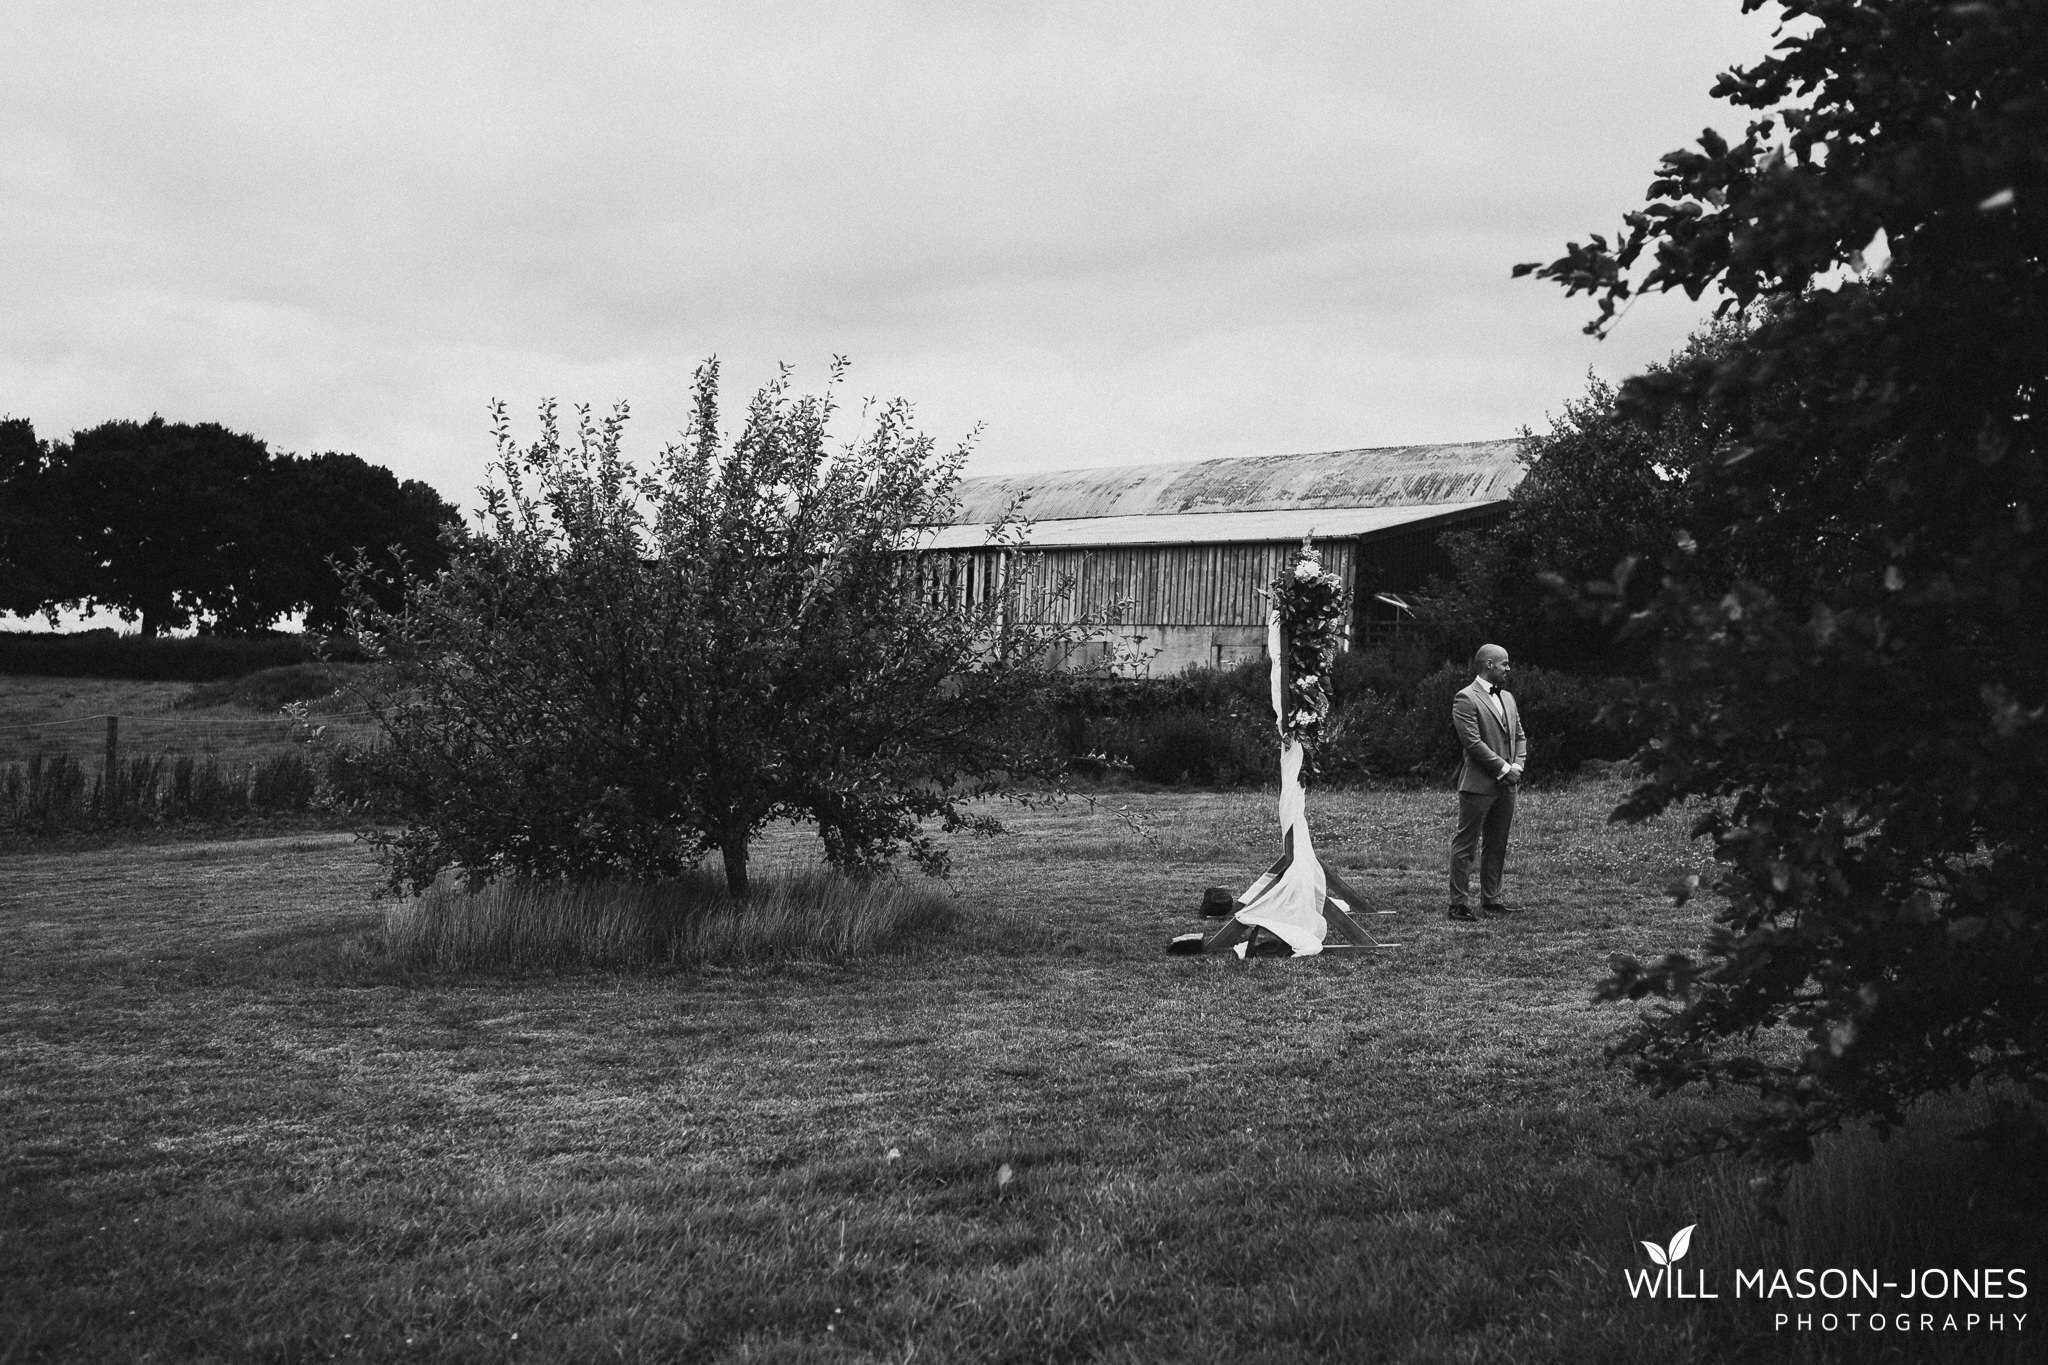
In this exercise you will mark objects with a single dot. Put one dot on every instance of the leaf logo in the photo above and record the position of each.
(1681, 1242)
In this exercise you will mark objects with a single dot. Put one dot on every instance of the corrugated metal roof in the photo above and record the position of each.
(1393, 476)
(1328, 523)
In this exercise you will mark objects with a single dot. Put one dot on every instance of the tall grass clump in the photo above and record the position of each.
(1933, 1195)
(682, 922)
(1928, 1196)
(43, 793)
(126, 792)
(55, 795)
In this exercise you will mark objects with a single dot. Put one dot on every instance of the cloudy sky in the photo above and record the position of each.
(1106, 232)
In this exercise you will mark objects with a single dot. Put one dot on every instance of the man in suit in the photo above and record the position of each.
(1496, 752)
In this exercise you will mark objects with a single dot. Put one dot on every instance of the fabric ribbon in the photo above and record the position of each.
(1287, 899)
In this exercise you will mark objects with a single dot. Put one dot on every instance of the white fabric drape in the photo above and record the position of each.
(1288, 901)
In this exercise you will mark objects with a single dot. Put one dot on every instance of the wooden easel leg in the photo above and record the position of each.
(1343, 926)
(1344, 892)
(1229, 936)
(1345, 900)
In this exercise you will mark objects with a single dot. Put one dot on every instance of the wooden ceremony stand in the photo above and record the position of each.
(1287, 909)
(1341, 907)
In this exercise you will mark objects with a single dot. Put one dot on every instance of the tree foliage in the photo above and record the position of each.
(347, 514)
(1862, 701)
(627, 670)
(40, 561)
(174, 524)
(1606, 500)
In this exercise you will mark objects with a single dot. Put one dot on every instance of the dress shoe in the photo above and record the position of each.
(1498, 908)
(1460, 912)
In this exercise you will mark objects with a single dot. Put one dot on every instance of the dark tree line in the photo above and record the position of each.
(174, 524)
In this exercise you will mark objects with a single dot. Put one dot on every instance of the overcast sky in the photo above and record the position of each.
(1108, 232)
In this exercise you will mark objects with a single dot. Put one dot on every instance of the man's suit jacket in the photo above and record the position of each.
(1490, 746)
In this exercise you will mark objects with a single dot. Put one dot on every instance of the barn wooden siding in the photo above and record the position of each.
(1169, 585)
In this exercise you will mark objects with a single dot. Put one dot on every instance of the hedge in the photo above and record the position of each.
(192, 658)
(1392, 722)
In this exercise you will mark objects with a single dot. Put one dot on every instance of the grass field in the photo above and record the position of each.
(233, 1131)
(66, 716)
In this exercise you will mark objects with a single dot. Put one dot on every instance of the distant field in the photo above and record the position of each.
(229, 1131)
(66, 716)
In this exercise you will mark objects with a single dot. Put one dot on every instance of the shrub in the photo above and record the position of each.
(1408, 735)
(1403, 735)
(282, 784)
(1392, 721)
(1206, 727)
(1189, 747)
(1384, 669)
(1575, 719)
(352, 782)
(629, 669)
(688, 921)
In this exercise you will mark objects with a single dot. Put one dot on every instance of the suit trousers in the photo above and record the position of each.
(1484, 819)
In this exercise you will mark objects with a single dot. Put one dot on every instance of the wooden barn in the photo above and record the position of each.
(1188, 546)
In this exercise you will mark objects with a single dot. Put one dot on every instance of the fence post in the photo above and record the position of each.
(113, 744)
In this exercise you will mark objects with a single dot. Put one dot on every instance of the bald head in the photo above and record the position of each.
(1491, 663)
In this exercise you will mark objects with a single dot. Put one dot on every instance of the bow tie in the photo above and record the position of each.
(1493, 688)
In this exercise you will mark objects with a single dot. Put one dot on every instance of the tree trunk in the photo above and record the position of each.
(734, 850)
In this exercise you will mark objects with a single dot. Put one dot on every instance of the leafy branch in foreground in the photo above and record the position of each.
(1853, 652)
(630, 669)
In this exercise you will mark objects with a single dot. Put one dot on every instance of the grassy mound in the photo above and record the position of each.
(271, 689)
(688, 922)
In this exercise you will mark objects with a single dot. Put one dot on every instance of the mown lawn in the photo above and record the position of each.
(231, 1132)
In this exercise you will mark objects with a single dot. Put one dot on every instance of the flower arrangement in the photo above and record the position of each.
(1310, 600)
